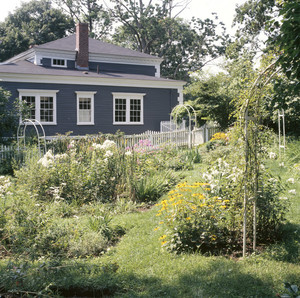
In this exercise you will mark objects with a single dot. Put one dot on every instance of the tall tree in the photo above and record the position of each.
(8, 115)
(35, 22)
(213, 95)
(279, 22)
(92, 12)
(288, 39)
(156, 29)
(253, 19)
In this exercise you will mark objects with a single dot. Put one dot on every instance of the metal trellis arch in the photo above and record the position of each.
(38, 127)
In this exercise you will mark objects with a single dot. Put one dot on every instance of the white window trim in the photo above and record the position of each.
(55, 65)
(86, 94)
(38, 94)
(128, 96)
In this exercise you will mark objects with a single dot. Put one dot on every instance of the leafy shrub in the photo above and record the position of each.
(193, 220)
(82, 173)
(209, 217)
(218, 139)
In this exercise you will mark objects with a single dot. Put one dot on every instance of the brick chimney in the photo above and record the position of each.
(82, 46)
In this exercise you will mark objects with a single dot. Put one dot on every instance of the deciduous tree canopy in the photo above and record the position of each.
(35, 22)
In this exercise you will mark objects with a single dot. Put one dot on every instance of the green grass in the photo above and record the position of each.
(139, 267)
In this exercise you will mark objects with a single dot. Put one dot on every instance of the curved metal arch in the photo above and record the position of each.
(176, 110)
(186, 106)
(34, 123)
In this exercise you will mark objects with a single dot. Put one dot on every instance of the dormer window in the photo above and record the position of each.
(59, 62)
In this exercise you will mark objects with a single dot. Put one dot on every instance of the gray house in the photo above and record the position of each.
(88, 86)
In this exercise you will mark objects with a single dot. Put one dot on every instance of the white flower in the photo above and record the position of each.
(108, 145)
(61, 156)
(96, 146)
(108, 153)
(273, 180)
(292, 191)
(272, 155)
(281, 164)
(128, 153)
(291, 180)
(283, 198)
(71, 145)
(47, 159)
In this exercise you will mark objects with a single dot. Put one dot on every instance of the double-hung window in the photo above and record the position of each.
(85, 108)
(41, 104)
(128, 108)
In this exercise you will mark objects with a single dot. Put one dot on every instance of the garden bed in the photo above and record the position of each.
(112, 246)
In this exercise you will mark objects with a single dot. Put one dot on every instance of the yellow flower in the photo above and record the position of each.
(213, 237)
(161, 222)
(188, 218)
(163, 242)
(156, 229)
(162, 237)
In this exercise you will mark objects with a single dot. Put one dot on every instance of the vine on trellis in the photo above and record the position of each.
(249, 113)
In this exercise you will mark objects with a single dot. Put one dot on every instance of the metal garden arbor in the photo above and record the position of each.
(39, 130)
(176, 110)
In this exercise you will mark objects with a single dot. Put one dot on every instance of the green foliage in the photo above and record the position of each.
(153, 186)
(146, 27)
(252, 18)
(288, 40)
(206, 216)
(57, 278)
(292, 289)
(33, 23)
(213, 95)
(84, 173)
(279, 22)
(137, 266)
(8, 115)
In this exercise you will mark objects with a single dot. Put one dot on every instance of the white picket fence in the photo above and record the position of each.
(150, 139)
(155, 139)
(179, 138)
(6, 151)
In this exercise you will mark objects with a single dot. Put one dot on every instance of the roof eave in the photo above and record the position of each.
(63, 79)
(22, 56)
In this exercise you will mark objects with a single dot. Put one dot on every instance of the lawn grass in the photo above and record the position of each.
(146, 270)
(139, 267)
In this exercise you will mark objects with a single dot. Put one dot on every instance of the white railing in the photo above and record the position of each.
(6, 151)
(154, 139)
(151, 139)
(167, 126)
(148, 140)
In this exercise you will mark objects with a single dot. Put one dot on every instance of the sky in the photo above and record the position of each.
(199, 8)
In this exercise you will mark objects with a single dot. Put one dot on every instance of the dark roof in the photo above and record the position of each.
(95, 46)
(25, 67)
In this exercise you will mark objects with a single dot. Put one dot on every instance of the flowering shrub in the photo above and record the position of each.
(194, 219)
(220, 136)
(208, 216)
(82, 173)
(218, 139)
